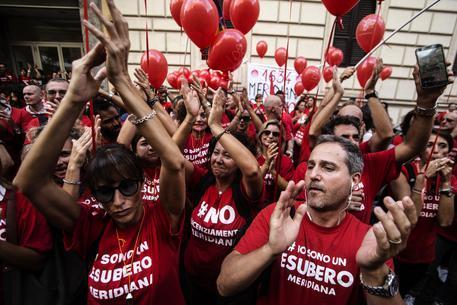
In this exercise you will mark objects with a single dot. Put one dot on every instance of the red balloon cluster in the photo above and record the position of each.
(244, 14)
(156, 67)
(227, 51)
(310, 77)
(328, 73)
(365, 70)
(200, 21)
(280, 56)
(300, 64)
(262, 48)
(339, 8)
(334, 56)
(370, 32)
(386, 73)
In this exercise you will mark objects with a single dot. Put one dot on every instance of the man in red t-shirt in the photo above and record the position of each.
(315, 251)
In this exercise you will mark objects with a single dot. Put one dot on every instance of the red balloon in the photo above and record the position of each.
(226, 9)
(244, 14)
(157, 68)
(204, 74)
(196, 73)
(370, 32)
(300, 64)
(386, 73)
(335, 58)
(280, 56)
(298, 88)
(365, 70)
(215, 82)
(185, 72)
(224, 84)
(310, 77)
(175, 9)
(178, 81)
(173, 80)
(200, 21)
(339, 7)
(262, 48)
(328, 73)
(227, 51)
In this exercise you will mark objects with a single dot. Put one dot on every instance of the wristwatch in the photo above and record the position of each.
(427, 112)
(387, 290)
(447, 192)
(372, 94)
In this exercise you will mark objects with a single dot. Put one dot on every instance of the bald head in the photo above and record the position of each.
(32, 95)
(351, 110)
(273, 107)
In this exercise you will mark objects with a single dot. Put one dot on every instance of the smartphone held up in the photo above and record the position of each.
(432, 66)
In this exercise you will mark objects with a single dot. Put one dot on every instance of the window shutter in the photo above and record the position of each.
(345, 38)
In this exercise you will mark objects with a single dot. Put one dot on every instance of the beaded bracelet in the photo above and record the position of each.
(71, 182)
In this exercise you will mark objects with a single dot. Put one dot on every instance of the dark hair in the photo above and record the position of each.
(301, 100)
(112, 163)
(239, 136)
(329, 128)
(406, 123)
(102, 104)
(181, 112)
(367, 118)
(56, 80)
(354, 158)
(279, 92)
(135, 141)
(258, 96)
(446, 136)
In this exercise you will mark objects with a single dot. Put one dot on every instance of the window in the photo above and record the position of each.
(345, 38)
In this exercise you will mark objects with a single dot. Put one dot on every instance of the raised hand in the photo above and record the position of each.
(428, 96)
(387, 237)
(337, 87)
(115, 41)
(51, 107)
(190, 97)
(283, 228)
(371, 82)
(355, 203)
(272, 152)
(143, 82)
(80, 148)
(218, 107)
(347, 73)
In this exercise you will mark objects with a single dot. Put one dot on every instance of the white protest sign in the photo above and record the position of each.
(259, 81)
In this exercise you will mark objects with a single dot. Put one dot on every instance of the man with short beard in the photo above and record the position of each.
(110, 121)
(316, 252)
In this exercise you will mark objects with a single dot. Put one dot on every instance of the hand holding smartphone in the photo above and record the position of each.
(432, 66)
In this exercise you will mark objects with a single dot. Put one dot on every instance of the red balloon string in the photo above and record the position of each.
(340, 22)
(281, 131)
(332, 32)
(374, 29)
(91, 103)
(147, 31)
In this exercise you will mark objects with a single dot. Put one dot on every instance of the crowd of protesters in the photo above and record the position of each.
(205, 197)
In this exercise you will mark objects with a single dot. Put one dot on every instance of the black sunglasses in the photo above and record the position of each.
(274, 133)
(105, 194)
(245, 118)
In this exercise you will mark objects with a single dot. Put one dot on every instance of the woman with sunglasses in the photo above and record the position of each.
(268, 151)
(224, 199)
(136, 244)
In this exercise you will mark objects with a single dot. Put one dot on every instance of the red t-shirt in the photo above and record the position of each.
(151, 188)
(421, 241)
(154, 273)
(286, 171)
(214, 222)
(379, 169)
(288, 125)
(196, 150)
(365, 147)
(302, 133)
(318, 268)
(32, 229)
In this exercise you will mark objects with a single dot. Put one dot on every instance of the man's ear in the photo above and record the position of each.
(356, 178)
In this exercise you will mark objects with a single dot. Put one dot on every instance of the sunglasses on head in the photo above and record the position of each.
(268, 133)
(105, 194)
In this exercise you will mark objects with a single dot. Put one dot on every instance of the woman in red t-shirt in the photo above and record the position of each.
(224, 200)
(136, 244)
(432, 192)
(268, 160)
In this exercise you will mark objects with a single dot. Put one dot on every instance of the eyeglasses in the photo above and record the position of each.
(268, 133)
(245, 118)
(54, 92)
(105, 194)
